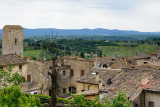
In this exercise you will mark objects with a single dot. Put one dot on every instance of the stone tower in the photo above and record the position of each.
(12, 40)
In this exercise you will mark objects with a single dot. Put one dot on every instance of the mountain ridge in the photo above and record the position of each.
(85, 31)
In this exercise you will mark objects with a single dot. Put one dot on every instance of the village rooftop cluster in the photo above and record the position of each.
(138, 75)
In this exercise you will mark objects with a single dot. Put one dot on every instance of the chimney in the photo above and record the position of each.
(100, 84)
(144, 80)
(97, 76)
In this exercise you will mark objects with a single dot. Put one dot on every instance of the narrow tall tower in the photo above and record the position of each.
(12, 40)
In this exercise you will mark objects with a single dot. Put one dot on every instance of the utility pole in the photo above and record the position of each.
(53, 83)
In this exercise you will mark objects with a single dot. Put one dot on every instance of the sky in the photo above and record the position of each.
(140, 15)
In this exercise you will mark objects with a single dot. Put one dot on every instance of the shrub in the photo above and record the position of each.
(13, 97)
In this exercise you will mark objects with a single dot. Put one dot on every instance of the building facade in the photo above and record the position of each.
(67, 77)
(12, 40)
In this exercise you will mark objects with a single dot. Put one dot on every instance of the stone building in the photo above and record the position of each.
(67, 77)
(12, 40)
(142, 86)
(35, 72)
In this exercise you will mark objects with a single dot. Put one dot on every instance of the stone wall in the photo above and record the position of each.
(12, 41)
(67, 82)
(40, 80)
(152, 97)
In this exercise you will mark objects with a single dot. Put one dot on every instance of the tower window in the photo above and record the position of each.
(15, 41)
(64, 90)
(64, 73)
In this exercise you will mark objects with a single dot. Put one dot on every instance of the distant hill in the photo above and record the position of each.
(71, 32)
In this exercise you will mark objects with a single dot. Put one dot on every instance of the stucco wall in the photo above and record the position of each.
(154, 97)
(84, 86)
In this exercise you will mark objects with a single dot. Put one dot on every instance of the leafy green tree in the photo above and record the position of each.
(13, 97)
(6, 77)
(121, 100)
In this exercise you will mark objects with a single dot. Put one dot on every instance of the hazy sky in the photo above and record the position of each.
(142, 15)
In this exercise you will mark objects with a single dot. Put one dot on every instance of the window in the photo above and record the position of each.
(72, 90)
(83, 90)
(64, 90)
(136, 105)
(64, 73)
(72, 72)
(15, 41)
(29, 78)
(82, 72)
(20, 68)
(145, 62)
(151, 104)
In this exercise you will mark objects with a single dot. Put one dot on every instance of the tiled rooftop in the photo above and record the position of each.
(11, 59)
(127, 79)
(104, 74)
(130, 80)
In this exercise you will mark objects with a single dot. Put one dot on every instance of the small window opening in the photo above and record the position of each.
(105, 66)
(151, 104)
(64, 90)
(15, 41)
(64, 73)
(20, 68)
(145, 62)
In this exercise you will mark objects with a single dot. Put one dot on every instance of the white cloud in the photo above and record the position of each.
(140, 15)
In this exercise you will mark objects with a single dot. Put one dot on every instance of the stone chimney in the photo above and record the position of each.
(97, 76)
(100, 84)
(144, 80)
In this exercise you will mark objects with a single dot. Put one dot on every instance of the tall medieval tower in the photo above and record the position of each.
(12, 40)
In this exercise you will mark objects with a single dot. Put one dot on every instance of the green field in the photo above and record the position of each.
(33, 53)
(126, 50)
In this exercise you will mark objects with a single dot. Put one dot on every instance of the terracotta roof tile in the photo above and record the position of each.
(133, 86)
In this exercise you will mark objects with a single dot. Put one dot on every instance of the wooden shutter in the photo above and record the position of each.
(82, 72)
(29, 78)
(72, 72)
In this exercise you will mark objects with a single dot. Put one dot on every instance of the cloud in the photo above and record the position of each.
(140, 15)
